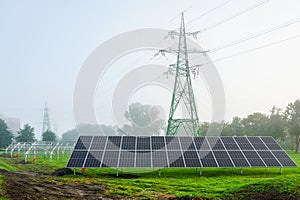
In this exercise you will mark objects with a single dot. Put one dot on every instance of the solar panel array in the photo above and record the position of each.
(176, 152)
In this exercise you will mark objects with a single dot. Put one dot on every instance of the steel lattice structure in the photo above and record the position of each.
(183, 92)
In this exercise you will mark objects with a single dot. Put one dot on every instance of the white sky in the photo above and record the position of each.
(44, 44)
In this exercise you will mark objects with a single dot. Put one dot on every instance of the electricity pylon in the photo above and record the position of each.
(183, 92)
(46, 120)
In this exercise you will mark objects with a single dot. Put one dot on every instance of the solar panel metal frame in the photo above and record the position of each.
(269, 154)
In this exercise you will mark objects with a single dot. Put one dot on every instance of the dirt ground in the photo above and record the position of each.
(34, 186)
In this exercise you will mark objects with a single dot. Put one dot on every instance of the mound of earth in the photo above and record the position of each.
(5, 155)
(62, 172)
(22, 162)
(35, 187)
(268, 195)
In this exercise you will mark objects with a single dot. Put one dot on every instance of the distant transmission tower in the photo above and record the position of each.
(183, 91)
(46, 120)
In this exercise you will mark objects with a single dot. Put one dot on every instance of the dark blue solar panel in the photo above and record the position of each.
(127, 159)
(113, 143)
(159, 159)
(175, 159)
(215, 143)
(229, 143)
(201, 143)
(254, 159)
(238, 159)
(143, 159)
(98, 143)
(223, 159)
(243, 143)
(143, 143)
(158, 143)
(187, 143)
(110, 159)
(78, 154)
(172, 143)
(94, 159)
(132, 151)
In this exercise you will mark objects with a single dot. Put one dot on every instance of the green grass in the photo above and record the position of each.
(1, 189)
(6, 164)
(213, 183)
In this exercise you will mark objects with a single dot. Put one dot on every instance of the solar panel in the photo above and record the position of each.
(238, 159)
(113, 143)
(271, 143)
(201, 143)
(158, 143)
(223, 159)
(159, 159)
(191, 159)
(207, 159)
(177, 152)
(93, 159)
(172, 143)
(229, 143)
(143, 143)
(254, 159)
(127, 159)
(257, 143)
(215, 143)
(143, 159)
(187, 144)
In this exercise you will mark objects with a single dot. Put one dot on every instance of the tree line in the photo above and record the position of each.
(282, 124)
(25, 134)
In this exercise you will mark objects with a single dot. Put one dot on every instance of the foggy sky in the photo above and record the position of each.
(44, 44)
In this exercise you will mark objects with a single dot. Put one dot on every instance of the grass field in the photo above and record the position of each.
(1, 184)
(254, 183)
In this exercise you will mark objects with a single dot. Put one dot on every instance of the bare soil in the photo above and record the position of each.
(5, 155)
(269, 195)
(33, 186)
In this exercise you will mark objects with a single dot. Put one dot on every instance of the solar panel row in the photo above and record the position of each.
(160, 151)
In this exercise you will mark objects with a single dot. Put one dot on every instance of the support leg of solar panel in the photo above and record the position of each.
(200, 171)
(242, 171)
(117, 172)
(74, 171)
(159, 172)
(280, 170)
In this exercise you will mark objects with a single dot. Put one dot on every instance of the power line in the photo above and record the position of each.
(183, 11)
(236, 15)
(255, 35)
(209, 11)
(250, 50)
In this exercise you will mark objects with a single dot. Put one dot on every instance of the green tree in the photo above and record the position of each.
(276, 124)
(144, 119)
(92, 129)
(71, 135)
(49, 136)
(26, 134)
(204, 127)
(5, 135)
(235, 128)
(255, 124)
(292, 116)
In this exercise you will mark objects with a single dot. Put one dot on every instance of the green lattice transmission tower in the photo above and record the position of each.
(183, 92)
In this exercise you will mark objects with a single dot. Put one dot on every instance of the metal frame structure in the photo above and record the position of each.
(45, 149)
(183, 92)
(19, 146)
(178, 152)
